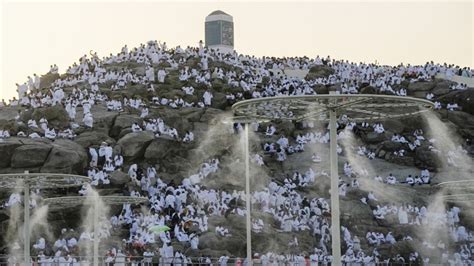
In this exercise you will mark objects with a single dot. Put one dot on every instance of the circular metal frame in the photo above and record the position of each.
(71, 201)
(358, 107)
(457, 191)
(42, 180)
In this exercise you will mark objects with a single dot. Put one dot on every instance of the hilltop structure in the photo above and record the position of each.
(219, 29)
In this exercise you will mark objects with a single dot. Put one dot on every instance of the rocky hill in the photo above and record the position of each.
(175, 160)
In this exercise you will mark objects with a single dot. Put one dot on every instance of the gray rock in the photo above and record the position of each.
(368, 90)
(160, 148)
(461, 119)
(118, 178)
(192, 114)
(211, 115)
(66, 157)
(321, 89)
(395, 126)
(7, 149)
(381, 153)
(31, 155)
(465, 99)
(89, 138)
(219, 101)
(321, 71)
(133, 145)
(103, 119)
(442, 87)
(424, 158)
(56, 115)
(391, 146)
(421, 86)
(123, 121)
(373, 137)
(48, 79)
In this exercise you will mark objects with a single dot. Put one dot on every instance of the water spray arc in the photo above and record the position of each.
(360, 107)
(37, 181)
(94, 202)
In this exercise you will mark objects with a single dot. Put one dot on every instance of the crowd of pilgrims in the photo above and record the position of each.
(187, 206)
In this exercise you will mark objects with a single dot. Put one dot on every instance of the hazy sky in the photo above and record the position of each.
(35, 35)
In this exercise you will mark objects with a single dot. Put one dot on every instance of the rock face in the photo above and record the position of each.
(425, 158)
(133, 145)
(464, 99)
(90, 138)
(56, 115)
(320, 71)
(160, 148)
(175, 160)
(66, 157)
(32, 155)
(118, 178)
(122, 122)
(6, 151)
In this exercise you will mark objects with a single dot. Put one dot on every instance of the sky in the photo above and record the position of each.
(35, 35)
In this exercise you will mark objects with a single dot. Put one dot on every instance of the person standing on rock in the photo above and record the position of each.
(161, 75)
(207, 98)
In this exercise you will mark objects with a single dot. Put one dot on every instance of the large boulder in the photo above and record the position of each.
(424, 158)
(48, 79)
(464, 98)
(211, 116)
(30, 155)
(389, 145)
(321, 89)
(56, 116)
(395, 126)
(122, 122)
(66, 157)
(192, 114)
(7, 149)
(103, 119)
(219, 100)
(368, 90)
(133, 145)
(373, 137)
(118, 178)
(160, 148)
(90, 138)
(461, 119)
(321, 71)
(442, 87)
(423, 86)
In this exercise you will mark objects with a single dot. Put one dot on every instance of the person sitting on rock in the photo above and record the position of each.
(136, 127)
(32, 123)
(188, 137)
(50, 134)
(270, 130)
(40, 244)
(418, 180)
(410, 180)
(391, 180)
(118, 160)
(88, 120)
(316, 158)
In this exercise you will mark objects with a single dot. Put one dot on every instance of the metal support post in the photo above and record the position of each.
(335, 212)
(96, 232)
(26, 226)
(247, 193)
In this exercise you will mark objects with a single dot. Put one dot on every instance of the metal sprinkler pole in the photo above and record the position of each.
(335, 212)
(26, 229)
(247, 192)
(96, 232)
